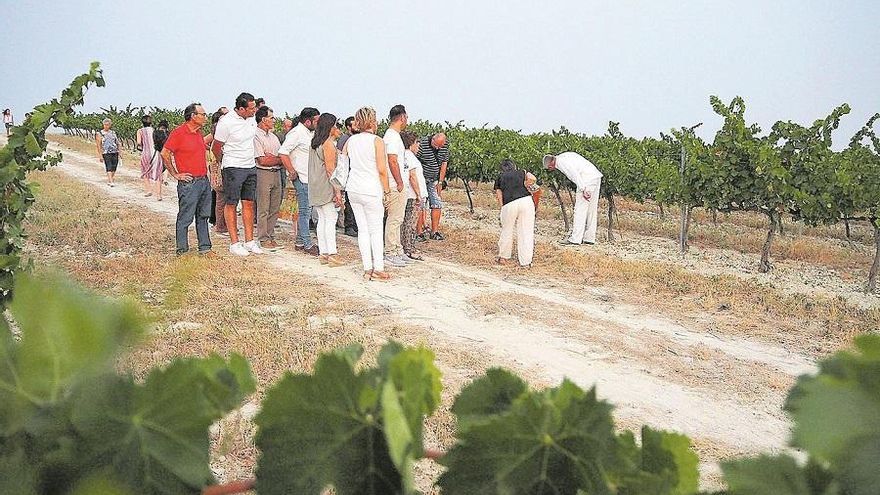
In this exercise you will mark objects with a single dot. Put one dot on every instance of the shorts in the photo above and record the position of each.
(111, 161)
(239, 184)
(434, 201)
(8, 126)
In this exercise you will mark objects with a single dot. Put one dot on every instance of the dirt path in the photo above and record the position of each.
(724, 392)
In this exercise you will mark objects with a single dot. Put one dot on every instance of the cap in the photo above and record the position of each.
(547, 159)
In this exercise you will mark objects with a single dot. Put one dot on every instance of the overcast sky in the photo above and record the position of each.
(650, 65)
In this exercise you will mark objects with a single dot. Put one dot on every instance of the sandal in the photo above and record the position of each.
(502, 261)
(368, 275)
(414, 256)
(383, 276)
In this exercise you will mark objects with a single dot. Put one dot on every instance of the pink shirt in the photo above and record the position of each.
(266, 143)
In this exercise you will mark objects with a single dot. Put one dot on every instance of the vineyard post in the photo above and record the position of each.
(685, 208)
(467, 189)
(765, 251)
(875, 267)
(611, 211)
(555, 187)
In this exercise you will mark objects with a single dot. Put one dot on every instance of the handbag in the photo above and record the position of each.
(340, 174)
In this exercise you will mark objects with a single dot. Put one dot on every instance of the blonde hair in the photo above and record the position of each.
(365, 119)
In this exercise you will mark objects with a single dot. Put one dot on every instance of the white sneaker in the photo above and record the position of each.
(253, 246)
(403, 259)
(393, 261)
(238, 249)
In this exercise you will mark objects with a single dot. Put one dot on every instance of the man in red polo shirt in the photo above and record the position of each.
(188, 146)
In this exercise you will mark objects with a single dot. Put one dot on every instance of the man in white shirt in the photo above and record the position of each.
(395, 205)
(587, 180)
(294, 154)
(234, 149)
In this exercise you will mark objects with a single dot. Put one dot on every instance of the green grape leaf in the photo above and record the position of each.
(556, 441)
(487, 396)
(417, 383)
(398, 434)
(667, 465)
(779, 475)
(67, 335)
(324, 430)
(32, 146)
(155, 435)
(836, 414)
(17, 474)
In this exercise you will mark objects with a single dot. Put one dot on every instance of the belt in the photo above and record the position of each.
(269, 169)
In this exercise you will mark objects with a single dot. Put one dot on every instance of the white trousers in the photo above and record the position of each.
(586, 215)
(519, 215)
(368, 214)
(326, 228)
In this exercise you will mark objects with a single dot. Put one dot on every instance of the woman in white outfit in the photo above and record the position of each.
(324, 198)
(367, 189)
(517, 213)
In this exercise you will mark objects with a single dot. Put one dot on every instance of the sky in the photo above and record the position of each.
(532, 66)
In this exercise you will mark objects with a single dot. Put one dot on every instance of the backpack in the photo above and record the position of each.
(159, 138)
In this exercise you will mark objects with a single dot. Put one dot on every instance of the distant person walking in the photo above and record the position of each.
(395, 205)
(7, 121)
(588, 181)
(269, 167)
(517, 213)
(324, 197)
(151, 159)
(368, 188)
(434, 155)
(108, 150)
(185, 156)
(234, 149)
(294, 154)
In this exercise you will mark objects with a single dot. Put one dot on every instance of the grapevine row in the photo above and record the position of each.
(791, 170)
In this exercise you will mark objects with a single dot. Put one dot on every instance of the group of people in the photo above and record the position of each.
(384, 185)
(388, 187)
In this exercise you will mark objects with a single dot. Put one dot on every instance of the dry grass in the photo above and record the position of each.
(726, 304)
(280, 321)
(739, 231)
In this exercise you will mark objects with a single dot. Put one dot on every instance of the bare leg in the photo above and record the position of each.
(247, 217)
(435, 219)
(232, 222)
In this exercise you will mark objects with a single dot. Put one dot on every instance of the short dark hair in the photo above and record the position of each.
(262, 113)
(189, 111)
(260, 102)
(408, 137)
(396, 111)
(349, 122)
(163, 123)
(308, 113)
(147, 120)
(507, 165)
(243, 100)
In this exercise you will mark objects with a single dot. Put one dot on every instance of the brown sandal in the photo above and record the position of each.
(383, 276)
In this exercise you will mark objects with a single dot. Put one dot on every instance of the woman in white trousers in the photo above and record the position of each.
(517, 214)
(324, 197)
(368, 189)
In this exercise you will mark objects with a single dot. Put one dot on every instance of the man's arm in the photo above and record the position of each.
(172, 167)
(288, 165)
(395, 171)
(499, 197)
(268, 160)
(441, 178)
(217, 150)
(414, 183)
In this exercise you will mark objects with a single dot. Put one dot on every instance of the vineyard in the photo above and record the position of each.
(790, 172)
(72, 422)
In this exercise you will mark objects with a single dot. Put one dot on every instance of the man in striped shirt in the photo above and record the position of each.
(434, 155)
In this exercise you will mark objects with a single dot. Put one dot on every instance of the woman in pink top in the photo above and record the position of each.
(151, 160)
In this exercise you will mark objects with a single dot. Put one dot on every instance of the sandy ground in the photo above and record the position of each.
(725, 392)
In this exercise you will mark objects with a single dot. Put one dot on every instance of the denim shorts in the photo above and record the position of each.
(111, 161)
(434, 201)
(239, 184)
